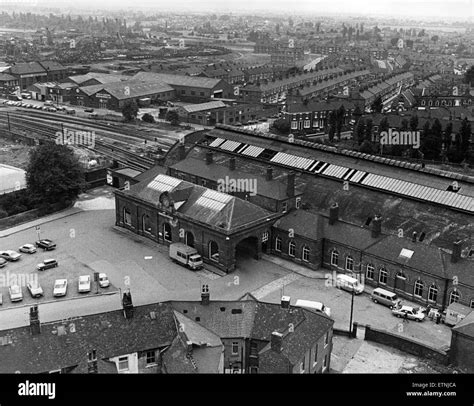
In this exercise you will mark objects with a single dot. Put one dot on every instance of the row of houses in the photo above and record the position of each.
(176, 337)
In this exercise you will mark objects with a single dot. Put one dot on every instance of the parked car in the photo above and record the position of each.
(412, 313)
(60, 287)
(385, 297)
(46, 244)
(16, 294)
(103, 280)
(70, 111)
(48, 103)
(27, 249)
(10, 255)
(47, 264)
(3, 262)
(35, 289)
(84, 283)
(88, 110)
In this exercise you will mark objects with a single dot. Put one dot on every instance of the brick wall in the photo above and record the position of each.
(462, 351)
(406, 344)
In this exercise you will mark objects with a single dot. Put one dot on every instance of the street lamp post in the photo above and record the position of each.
(352, 310)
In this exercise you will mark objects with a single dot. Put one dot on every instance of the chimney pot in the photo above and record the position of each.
(127, 305)
(290, 191)
(285, 302)
(376, 226)
(269, 175)
(209, 157)
(205, 295)
(333, 213)
(415, 235)
(276, 341)
(456, 255)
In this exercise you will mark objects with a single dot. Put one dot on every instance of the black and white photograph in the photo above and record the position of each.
(237, 191)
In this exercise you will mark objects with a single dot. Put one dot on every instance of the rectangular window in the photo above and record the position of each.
(302, 366)
(298, 202)
(326, 339)
(315, 357)
(383, 277)
(278, 244)
(472, 304)
(294, 125)
(150, 357)
(123, 363)
(307, 123)
(235, 348)
(183, 91)
(265, 236)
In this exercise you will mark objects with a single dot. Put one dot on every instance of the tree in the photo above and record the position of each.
(340, 116)
(332, 122)
(377, 105)
(148, 118)
(414, 122)
(369, 125)
(130, 111)
(280, 126)
(173, 117)
(359, 131)
(469, 76)
(54, 174)
(447, 135)
(465, 136)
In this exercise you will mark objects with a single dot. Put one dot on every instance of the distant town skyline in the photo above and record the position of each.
(457, 9)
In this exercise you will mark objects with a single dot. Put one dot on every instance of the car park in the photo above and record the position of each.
(409, 312)
(84, 284)
(27, 249)
(10, 255)
(46, 244)
(3, 262)
(15, 292)
(35, 289)
(60, 287)
(103, 280)
(47, 264)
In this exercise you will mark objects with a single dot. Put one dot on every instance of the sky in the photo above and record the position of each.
(461, 9)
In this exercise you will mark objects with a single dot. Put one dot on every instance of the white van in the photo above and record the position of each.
(350, 284)
(185, 255)
(385, 297)
(310, 305)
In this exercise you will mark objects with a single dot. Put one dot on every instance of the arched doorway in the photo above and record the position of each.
(247, 249)
(189, 239)
(213, 251)
(167, 232)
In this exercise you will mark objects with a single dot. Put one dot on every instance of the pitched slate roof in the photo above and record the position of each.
(5, 77)
(24, 68)
(109, 333)
(136, 89)
(304, 224)
(52, 66)
(273, 189)
(205, 205)
(466, 325)
(178, 80)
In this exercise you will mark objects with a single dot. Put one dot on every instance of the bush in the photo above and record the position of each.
(148, 118)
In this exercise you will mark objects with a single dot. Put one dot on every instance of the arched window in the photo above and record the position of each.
(278, 244)
(167, 232)
(335, 258)
(305, 255)
(350, 263)
(291, 248)
(213, 251)
(418, 291)
(383, 276)
(454, 296)
(370, 271)
(146, 223)
(433, 293)
(127, 217)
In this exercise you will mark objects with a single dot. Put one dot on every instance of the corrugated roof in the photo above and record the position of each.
(193, 108)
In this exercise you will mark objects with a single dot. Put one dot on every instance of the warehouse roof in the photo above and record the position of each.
(128, 89)
(178, 80)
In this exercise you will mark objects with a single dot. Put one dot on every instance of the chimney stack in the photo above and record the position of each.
(276, 341)
(333, 213)
(181, 152)
(205, 295)
(232, 163)
(290, 190)
(127, 305)
(376, 226)
(35, 325)
(415, 235)
(209, 157)
(456, 255)
(269, 175)
(285, 302)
